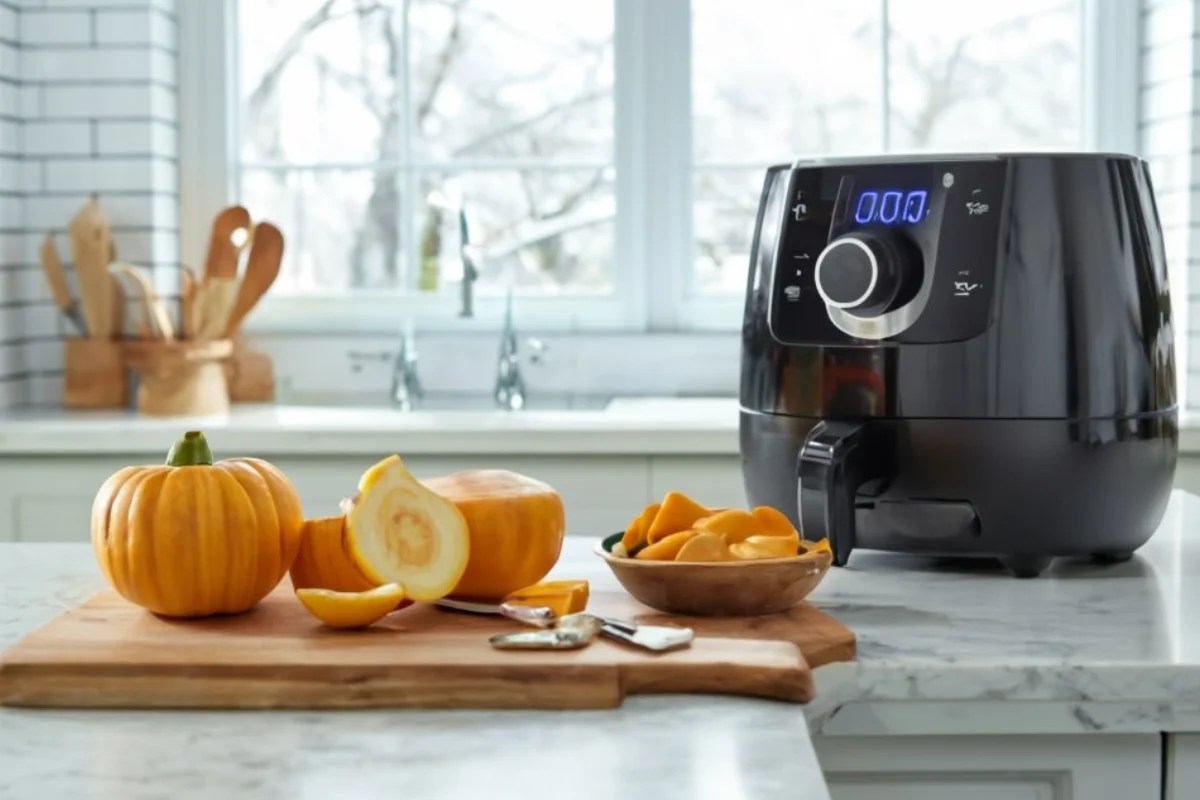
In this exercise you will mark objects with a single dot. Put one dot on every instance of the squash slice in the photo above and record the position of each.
(733, 525)
(678, 513)
(635, 535)
(352, 609)
(773, 522)
(400, 531)
(705, 547)
(667, 548)
(562, 597)
(754, 547)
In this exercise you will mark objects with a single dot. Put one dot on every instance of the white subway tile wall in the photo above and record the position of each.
(88, 104)
(14, 383)
(1170, 142)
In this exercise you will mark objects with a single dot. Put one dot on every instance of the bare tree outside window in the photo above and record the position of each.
(777, 79)
(368, 124)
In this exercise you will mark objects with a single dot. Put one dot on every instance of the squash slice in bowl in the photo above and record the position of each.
(733, 587)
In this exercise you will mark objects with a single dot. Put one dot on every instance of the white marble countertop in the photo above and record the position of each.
(698, 748)
(628, 426)
(944, 648)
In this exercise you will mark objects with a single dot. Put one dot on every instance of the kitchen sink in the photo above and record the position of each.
(449, 401)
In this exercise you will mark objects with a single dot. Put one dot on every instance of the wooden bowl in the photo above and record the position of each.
(720, 588)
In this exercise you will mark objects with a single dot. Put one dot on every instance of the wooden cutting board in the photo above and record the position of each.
(108, 653)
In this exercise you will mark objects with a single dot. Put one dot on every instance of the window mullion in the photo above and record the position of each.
(632, 227)
(1111, 71)
(885, 67)
(408, 176)
(666, 177)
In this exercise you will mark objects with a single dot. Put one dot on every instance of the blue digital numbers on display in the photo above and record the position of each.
(891, 207)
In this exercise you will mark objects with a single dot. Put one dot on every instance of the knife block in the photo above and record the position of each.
(251, 375)
(94, 374)
(180, 378)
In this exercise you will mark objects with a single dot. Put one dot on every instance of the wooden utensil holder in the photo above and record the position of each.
(180, 378)
(94, 374)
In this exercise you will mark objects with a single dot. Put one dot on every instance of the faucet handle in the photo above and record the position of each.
(538, 348)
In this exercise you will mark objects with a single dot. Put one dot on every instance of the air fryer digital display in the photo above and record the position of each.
(950, 213)
(890, 206)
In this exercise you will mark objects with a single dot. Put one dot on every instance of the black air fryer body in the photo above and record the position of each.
(961, 355)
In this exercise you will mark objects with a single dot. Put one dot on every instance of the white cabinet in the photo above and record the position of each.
(49, 498)
(1083, 767)
(1183, 766)
(714, 480)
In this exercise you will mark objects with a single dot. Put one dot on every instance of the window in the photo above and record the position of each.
(600, 159)
(864, 77)
(399, 141)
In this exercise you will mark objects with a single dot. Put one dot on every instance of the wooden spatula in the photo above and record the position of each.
(222, 258)
(90, 249)
(262, 267)
(52, 266)
(140, 288)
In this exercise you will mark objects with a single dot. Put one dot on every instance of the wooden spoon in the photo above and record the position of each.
(222, 258)
(262, 267)
(90, 248)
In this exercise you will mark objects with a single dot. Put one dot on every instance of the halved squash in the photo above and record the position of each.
(324, 560)
(400, 531)
(516, 524)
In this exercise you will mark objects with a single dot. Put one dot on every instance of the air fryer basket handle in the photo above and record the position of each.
(837, 458)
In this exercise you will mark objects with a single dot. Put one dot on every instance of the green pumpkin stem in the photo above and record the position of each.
(190, 451)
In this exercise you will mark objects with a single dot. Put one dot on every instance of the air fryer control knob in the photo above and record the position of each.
(864, 272)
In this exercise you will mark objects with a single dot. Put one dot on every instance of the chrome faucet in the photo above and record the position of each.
(469, 273)
(406, 383)
(509, 391)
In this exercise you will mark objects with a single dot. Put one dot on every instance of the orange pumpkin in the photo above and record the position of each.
(192, 538)
(516, 524)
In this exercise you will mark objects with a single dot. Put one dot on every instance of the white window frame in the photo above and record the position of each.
(653, 252)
